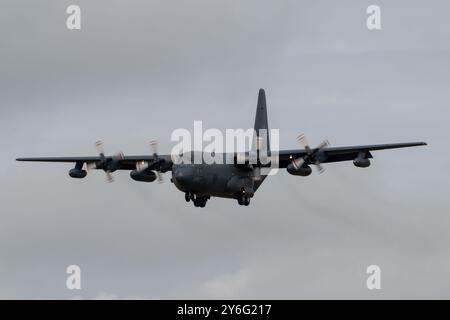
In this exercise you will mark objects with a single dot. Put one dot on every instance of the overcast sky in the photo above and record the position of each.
(137, 70)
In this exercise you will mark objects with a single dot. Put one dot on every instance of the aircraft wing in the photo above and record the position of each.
(334, 154)
(123, 163)
(337, 154)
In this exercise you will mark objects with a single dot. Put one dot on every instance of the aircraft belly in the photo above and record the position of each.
(215, 179)
(210, 180)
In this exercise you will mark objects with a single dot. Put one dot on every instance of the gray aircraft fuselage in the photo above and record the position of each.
(217, 179)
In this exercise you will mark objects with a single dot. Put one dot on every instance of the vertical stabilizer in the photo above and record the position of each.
(261, 124)
(262, 136)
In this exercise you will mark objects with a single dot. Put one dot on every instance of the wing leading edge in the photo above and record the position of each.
(337, 154)
(125, 163)
(334, 154)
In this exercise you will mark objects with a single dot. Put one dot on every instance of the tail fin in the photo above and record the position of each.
(261, 124)
(261, 137)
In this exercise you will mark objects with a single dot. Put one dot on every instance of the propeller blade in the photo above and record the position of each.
(324, 144)
(159, 177)
(301, 138)
(119, 156)
(99, 147)
(109, 177)
(91, 166)
(154, 146)
(319, 167)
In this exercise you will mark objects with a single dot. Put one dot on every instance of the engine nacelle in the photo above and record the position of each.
(143, 176)
(361, 162)
(77, 173)
(302, 171)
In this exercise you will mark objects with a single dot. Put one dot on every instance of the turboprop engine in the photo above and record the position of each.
(301, 171)
(143, 176)
(361, 161)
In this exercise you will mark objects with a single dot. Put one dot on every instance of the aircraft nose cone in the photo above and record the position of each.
(182, 176)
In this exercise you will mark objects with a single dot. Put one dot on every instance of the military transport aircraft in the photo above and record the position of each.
(238, 181)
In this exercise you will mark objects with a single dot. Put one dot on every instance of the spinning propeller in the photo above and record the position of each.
(155, 165)
(312, 155)
(156, 161)
(107, 164)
